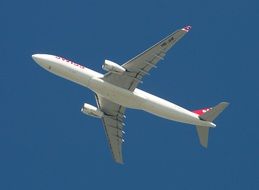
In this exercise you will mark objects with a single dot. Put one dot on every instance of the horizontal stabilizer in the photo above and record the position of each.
(209, 115)
(203, 133)
(212, 113)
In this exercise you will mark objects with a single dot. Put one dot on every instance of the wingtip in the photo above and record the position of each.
(187, 28)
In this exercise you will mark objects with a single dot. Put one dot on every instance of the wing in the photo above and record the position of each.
(113, 125)
(140, 65)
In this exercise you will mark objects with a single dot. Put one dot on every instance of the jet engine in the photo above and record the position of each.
(113, 67)
(91, 110)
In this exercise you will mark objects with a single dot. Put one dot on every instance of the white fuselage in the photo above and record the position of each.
(137, 99)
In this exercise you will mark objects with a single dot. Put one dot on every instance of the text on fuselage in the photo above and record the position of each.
(71, 62)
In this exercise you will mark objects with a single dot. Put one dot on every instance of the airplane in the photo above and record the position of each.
(117, 90)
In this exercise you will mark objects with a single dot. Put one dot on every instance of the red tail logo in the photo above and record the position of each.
(201, 111)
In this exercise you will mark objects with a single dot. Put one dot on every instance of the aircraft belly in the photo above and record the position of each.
(168, 110)
(144, 101)
(116, 94)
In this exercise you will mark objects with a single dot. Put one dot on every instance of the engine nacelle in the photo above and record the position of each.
(113, 67)
(91, 110)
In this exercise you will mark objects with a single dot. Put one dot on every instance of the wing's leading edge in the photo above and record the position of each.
(140, 65)
(136, 69)
(113, 125)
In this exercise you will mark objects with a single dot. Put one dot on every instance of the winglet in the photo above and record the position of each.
(187, 28)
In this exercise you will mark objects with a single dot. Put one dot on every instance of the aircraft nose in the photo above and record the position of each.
(37, 57)
(41, 59)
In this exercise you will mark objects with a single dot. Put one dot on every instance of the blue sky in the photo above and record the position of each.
(46, 143)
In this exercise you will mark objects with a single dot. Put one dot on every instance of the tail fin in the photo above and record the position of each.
(208, 115)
